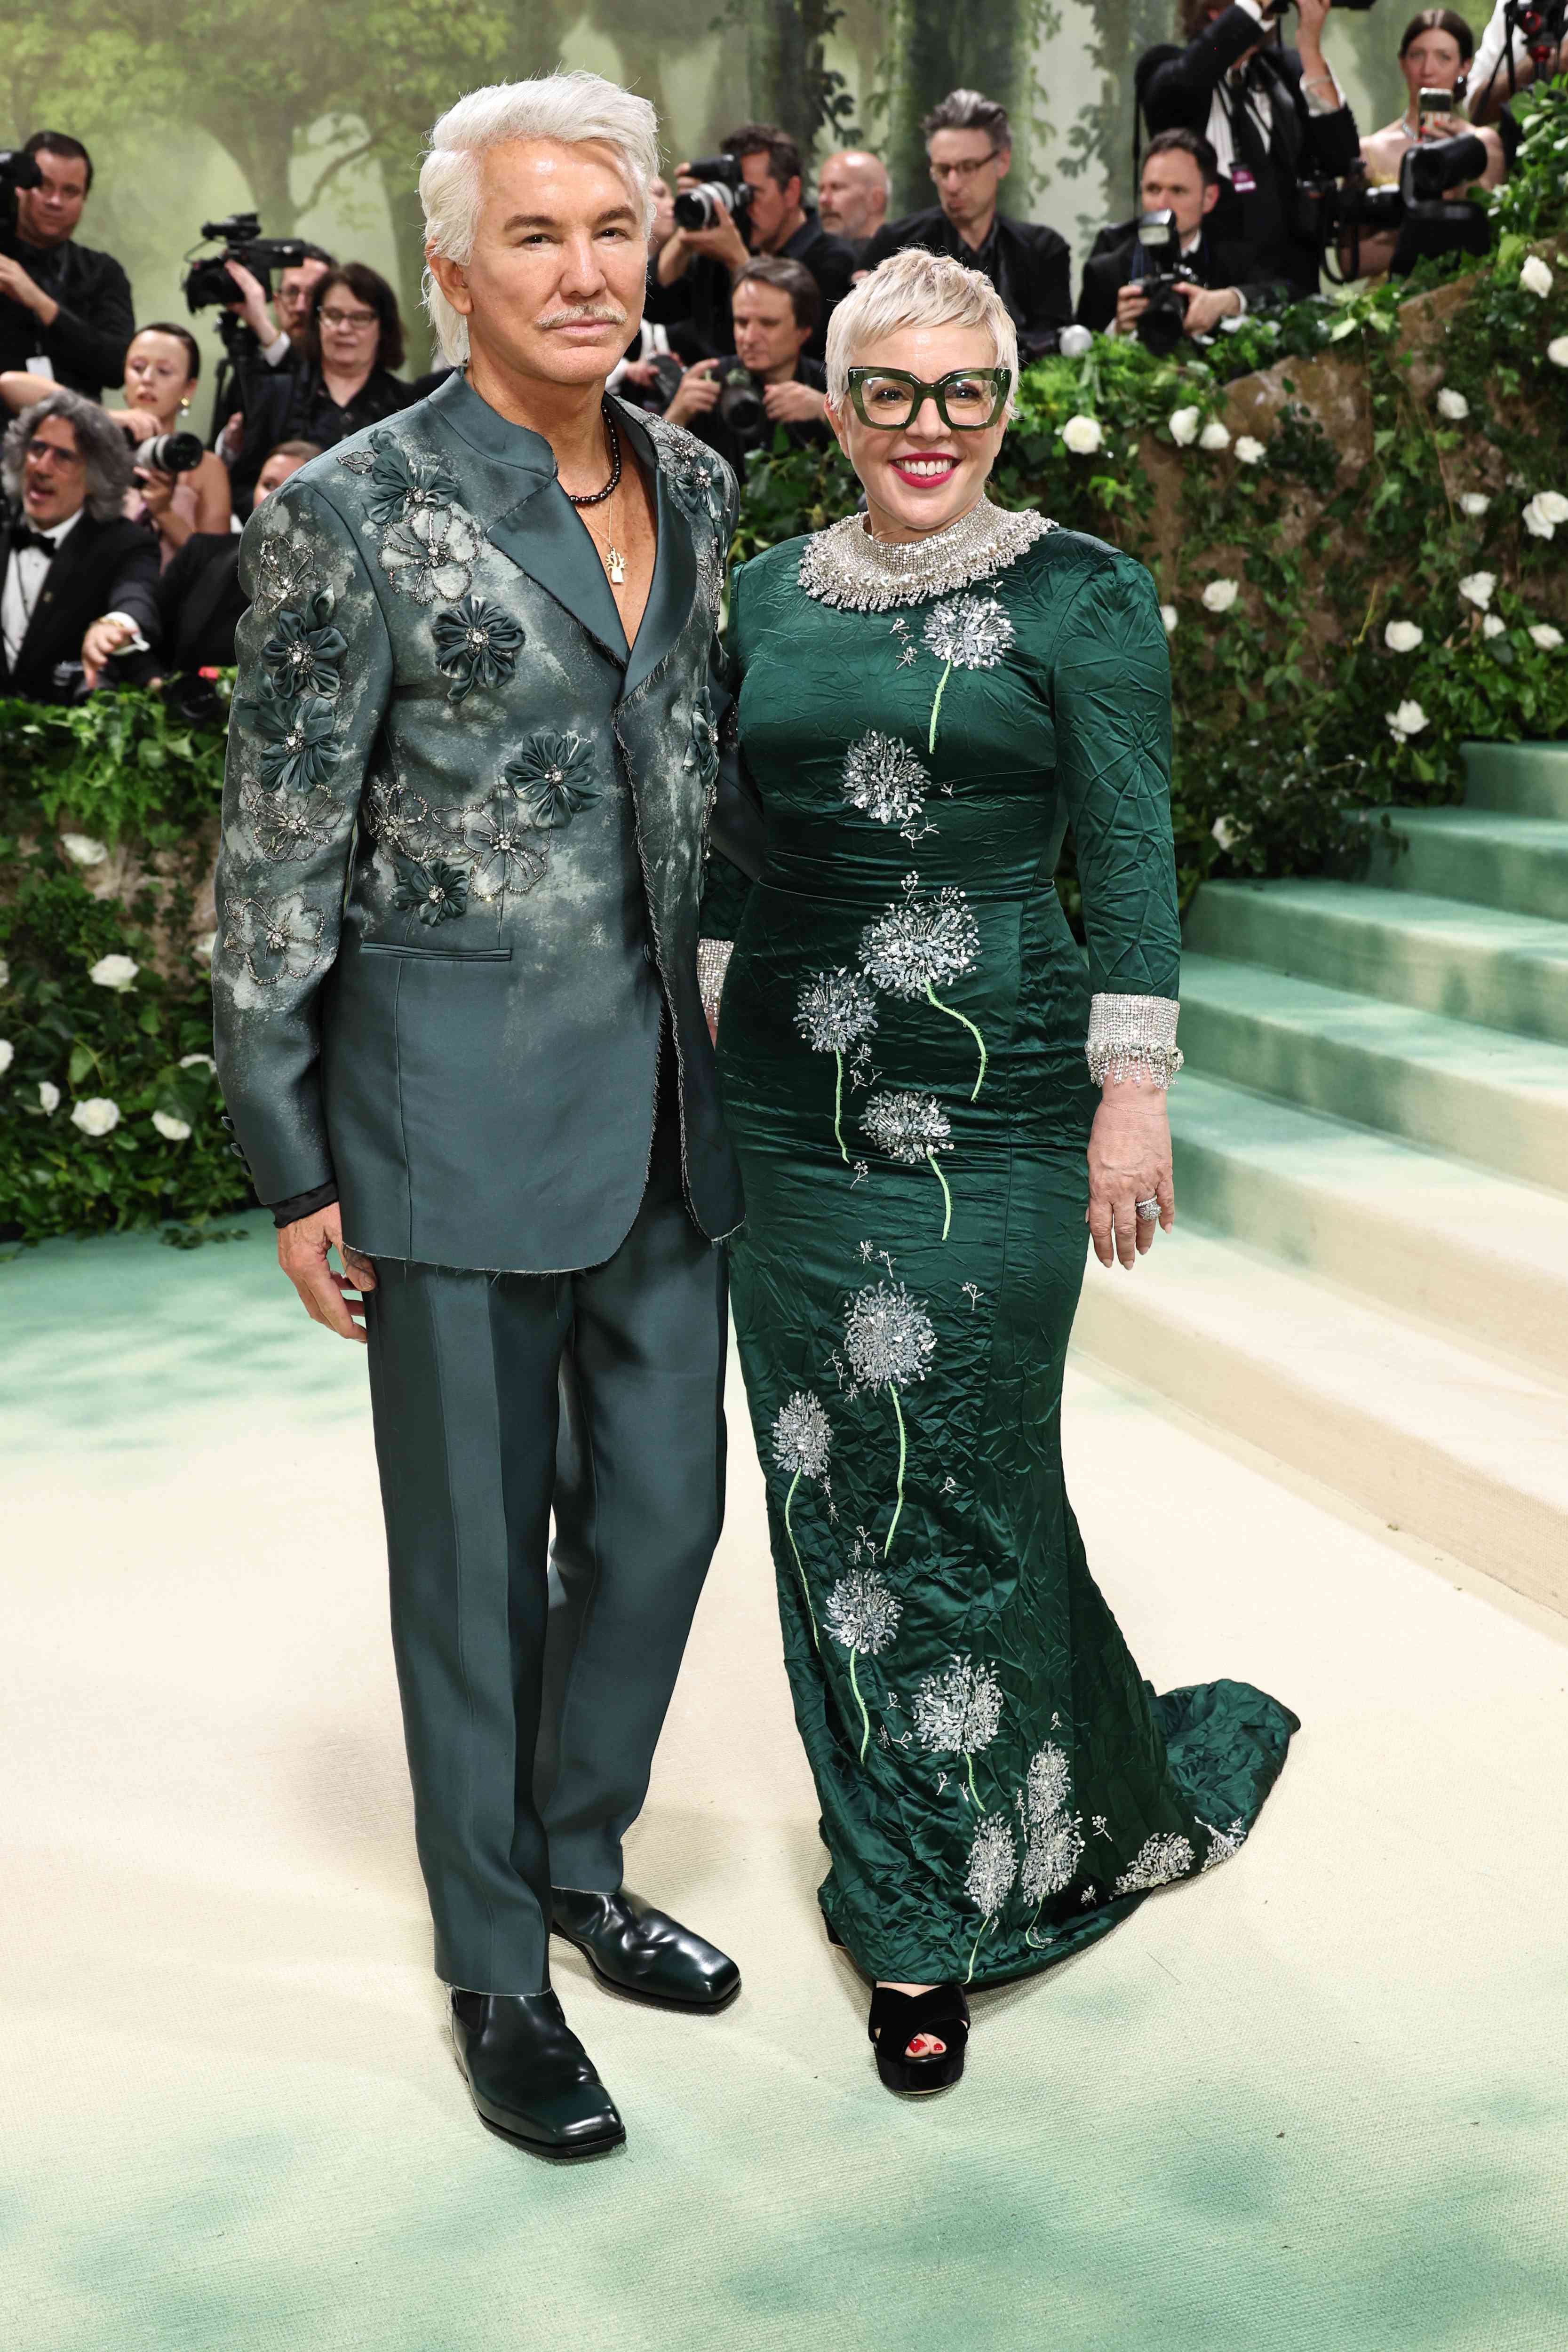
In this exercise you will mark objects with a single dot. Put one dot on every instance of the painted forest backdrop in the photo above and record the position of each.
(313, 112)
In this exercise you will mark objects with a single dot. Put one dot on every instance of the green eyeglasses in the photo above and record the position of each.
(967, 400)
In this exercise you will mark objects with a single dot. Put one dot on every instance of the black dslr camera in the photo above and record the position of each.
(207, 281)
(1428, 222)
(741, 407)
(18, 171)
(1163, 321)
(722, 188)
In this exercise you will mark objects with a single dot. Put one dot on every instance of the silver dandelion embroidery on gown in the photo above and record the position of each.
(912, 1129)
(862, 1612)
(834, 1012)
(968, 632)
(920, 944)
(958, 1712)
(884, 779)
(988, 1879)
(889, 1339)
(1054, 1842)
(1224, 1842)
(1158, 1860)
(803, 1444)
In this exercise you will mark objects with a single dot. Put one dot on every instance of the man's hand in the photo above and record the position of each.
(18, 287)
(1207, 305)
(102, 642)
(1312, 17)
(1129, 1161)
(1131, 304)
(231, 440)
(723, 242)
(794, 403)
(327, 1297)
(254, 308)
(643, 372)
(697, 393)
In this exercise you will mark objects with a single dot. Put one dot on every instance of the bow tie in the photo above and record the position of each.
(24, 535)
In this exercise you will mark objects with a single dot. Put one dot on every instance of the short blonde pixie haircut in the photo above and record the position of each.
(916, 289)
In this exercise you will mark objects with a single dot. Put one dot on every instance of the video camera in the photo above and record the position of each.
(722, 188)
(1163, 321)
(1338, 214)
(208, 280)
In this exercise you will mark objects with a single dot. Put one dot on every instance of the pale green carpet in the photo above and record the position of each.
(1313, 2103)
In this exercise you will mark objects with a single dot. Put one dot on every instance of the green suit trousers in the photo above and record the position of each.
(535, 1679)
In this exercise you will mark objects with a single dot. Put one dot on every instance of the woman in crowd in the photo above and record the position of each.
(163, 368)
(928, 1092)
(353, 342)
(1435, 54)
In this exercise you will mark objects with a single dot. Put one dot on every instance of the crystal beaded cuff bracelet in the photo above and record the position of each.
(712, 963)
(1132, 1037)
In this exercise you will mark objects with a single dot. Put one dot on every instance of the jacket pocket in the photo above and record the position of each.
(415, 953)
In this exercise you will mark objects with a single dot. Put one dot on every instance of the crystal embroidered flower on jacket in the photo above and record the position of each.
(885, 779)
(862, 1614)
(803, 1442)
(287, 826)
(964, 632)
(305, 651)
(551, 777)
(297, 751)
(912, 1129)
(436, 892)
(958, 1712)
(923, 942)
(281, 572)
(889, 1341)
(1157, 1861)
(834, 1012)
(477, 645)
(988, 1879)
(277, 940)
(509, 855)
(429, 557)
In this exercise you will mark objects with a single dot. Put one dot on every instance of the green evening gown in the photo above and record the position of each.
(902, 1059)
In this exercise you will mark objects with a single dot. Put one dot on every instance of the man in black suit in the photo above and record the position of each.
(200, 600)
(77, 581)
(1273, 116)
(65, 310)
(688, 285)
(970, 142)
(1180, 176)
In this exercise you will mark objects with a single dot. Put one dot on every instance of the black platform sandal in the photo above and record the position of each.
(896, 2019)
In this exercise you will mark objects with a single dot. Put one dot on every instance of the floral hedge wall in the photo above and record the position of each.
(1353, 512)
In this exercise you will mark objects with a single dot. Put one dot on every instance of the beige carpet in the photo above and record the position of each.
(1316, 2100)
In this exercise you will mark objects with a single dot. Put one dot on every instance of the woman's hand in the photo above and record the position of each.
(140, 423)
(1129, 1161)
(156, 490)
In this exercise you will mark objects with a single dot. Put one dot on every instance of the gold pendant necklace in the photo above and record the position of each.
(610, 555)
(618, 564)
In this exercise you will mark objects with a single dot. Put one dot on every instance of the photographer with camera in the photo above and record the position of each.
(66, 314)
(736, 404)
(280, 330)
(1166, 275)
(1526, 41)
(1273, 116)
(67, 556)
(743, 202)
(969, 141)
(200, 600)
(1435, 54)
(353, 341)
(177, 486)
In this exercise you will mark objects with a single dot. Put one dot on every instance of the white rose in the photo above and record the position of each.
(1553, 505)
(1214, 435)
(1452, 405)
(1073, 341)
(1494, 626)
(1476, 587)
(1401, 636)
(174, 1130)
(116, 971)
(48, 1096)
(1408, 720)
(1340, 329)
(96, 1116)
(1544, 634)
(4, 974)
(1224, 832)
(1537, 522)
(1169, 615)
(8, 1055)
(1183, 424)
(1250, 451)
(1474, 503)
(1221, 594)
(82, 850)
(198, 1061)
(202, 946)
(1557, 351)
(1535, 277)
(1082, 435)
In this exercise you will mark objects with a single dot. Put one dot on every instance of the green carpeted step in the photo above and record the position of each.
(1522, 779)
(1460, 1448)
(1467, 962)
(1482, 1257)
(1495, 1100)
(1517, 863)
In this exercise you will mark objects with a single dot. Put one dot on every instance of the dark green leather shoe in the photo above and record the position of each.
(636, 1949)
(529, 2076)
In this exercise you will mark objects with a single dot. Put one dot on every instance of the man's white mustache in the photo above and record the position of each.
(607, 314)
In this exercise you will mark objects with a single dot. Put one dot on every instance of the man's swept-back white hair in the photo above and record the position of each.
(573, 107)
(916, 289)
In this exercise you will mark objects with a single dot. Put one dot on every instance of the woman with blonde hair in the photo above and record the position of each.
(929, 1092)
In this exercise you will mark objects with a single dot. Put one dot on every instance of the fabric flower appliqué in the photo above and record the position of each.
(298, 752)
(429, 556)
(549, 776)
(303, 653)
(508, 858)
(475, 645)
(435, 892)
(402, 481)
(702, 750)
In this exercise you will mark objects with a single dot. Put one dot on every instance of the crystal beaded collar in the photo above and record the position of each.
(845, 566)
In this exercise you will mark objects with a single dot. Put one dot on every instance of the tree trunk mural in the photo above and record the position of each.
(933, 48)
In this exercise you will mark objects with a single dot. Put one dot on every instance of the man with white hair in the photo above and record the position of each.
(461, 1038)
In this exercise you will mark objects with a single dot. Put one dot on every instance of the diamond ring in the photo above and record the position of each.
(1146, 1212)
